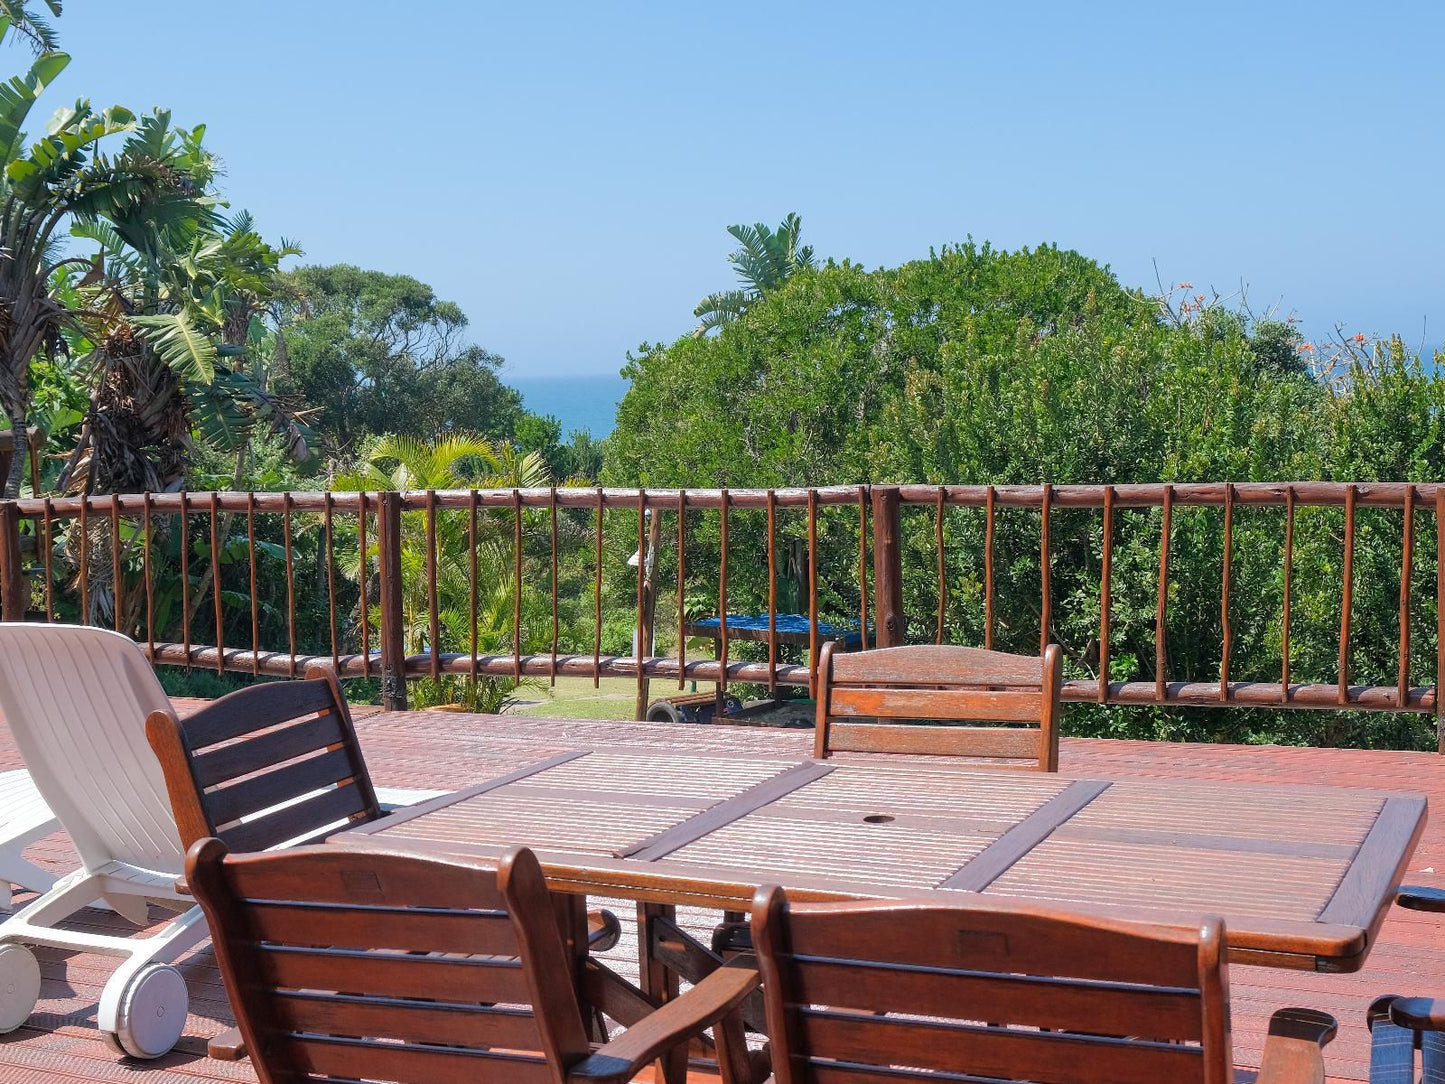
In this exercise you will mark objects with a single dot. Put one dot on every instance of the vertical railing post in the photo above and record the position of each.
(888, 566)
(14, 593)
(647, 625)
(393, 638)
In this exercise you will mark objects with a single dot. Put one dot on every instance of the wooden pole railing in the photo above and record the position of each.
(389, 579)
(888, 566)
(102, 553)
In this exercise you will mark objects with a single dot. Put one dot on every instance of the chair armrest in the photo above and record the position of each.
(1418, 898)
(1294, 1048)
(1418, 1013)
(719, 994)
(603, 930)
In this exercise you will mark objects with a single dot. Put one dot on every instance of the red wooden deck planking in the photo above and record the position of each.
(438, 750)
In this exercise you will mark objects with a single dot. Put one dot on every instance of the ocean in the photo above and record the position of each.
(588, 401)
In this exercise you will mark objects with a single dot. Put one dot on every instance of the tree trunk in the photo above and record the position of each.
(20, 434)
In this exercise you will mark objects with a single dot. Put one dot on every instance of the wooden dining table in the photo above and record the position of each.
(1302, 875)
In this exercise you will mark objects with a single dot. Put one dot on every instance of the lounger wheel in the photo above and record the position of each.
(152, 1012)
(19, 985)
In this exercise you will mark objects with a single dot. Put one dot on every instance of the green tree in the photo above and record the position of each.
(378, 353)
(577, 459)
(178, 346)
(763, 260)
(982, 366)
(60, 177)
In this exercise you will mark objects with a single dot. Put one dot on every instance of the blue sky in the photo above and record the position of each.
(566, 171)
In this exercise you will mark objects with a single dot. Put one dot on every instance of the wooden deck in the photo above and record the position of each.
(441, 750)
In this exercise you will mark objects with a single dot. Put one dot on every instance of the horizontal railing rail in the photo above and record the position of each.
(206, 579)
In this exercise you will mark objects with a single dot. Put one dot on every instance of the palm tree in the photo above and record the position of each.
(179, 344)
(141, 192)
(456, 461)
(764, 261)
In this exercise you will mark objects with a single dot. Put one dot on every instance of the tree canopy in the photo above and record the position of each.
(977, 365)
(381, 353)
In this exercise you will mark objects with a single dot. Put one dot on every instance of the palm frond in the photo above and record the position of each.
(34, 29)
(18, 95)
(180, 344)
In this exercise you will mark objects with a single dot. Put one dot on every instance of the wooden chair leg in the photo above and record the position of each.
(733, 1060)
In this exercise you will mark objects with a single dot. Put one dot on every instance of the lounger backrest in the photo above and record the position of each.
(969, 689)
(988, 991)
(344, 963)
(266, 765)
(76, 700)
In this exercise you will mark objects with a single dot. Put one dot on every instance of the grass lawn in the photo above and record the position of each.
(575, 698)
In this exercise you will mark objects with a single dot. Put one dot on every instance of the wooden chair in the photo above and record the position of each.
(389, 967)
(965, 684)
(922, 992)
(268, 765)
(1400, 1026)
(278, 765)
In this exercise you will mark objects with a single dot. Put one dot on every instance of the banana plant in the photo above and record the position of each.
(35, 30)
(58, 178)
(763, 260)
(180, 349)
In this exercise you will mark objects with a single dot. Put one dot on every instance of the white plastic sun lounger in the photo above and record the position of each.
(76, 700)
(24, 818)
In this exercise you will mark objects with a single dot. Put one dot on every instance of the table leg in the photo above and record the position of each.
(572, 922)
(660, 984)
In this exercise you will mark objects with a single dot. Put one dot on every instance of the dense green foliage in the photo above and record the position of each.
(379, 353)
(983, 366)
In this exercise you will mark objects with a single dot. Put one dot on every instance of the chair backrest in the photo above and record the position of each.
(904, 990)
(265, 765)
(76, 699)
(940, 683)
(364, 964)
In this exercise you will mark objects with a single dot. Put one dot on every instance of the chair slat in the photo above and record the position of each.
(260, 792)
(359, 1058)
(1159, 1012)
(922, 739)
(912, 703)
(244, 757)
(934, 664)
(456, 979)
(340, 877)
(1001, 1053)
(257, 707)
(296, 819)
(1014, 940)
(394, 928)
(409, 1021)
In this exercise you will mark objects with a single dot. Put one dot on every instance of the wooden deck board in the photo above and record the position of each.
(418, 749)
